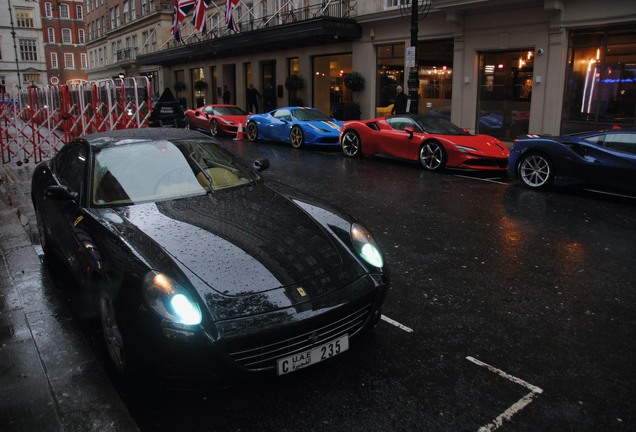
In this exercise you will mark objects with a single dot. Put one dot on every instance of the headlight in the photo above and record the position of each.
(365, 245)
(170, 300)
(225, 121)
(466, 149)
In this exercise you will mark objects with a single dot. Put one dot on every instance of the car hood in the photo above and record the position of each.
(238, 241)
(484, 144)
(236, 119)
(331, 126)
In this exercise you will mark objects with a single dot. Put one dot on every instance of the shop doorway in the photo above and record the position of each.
(505, 93)
(268, 84)
(330, 94)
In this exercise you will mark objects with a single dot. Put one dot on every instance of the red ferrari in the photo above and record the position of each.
(434, 141)
(216, 119)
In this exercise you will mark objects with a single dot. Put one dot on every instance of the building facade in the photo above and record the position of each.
(119, 30)
(501, 67)
(64, 39)
(22, 58)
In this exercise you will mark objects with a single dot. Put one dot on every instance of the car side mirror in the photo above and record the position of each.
(410, 131)
(466, 130)
(261, 164)
(207, 115)
(60, 192)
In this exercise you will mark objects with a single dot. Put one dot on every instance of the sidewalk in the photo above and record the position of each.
(50, 379)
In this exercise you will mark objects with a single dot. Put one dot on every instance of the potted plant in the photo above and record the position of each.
(200, 87)
(355, 82)
(294, 84)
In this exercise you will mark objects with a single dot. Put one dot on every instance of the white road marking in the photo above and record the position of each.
(397, 324)
(518, 406)
(477, 178)
(609, 193)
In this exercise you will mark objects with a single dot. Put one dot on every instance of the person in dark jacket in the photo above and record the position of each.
(226, 95)
(399, 107)
(252, 99)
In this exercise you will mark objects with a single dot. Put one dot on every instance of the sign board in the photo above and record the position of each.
(410, 57)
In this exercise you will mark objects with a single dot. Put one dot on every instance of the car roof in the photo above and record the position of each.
(112, 138)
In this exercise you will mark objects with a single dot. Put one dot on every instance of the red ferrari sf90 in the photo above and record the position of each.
(434, 141)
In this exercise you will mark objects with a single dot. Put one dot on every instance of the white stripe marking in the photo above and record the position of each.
(397, 324)
(475, 178)
(521, 403)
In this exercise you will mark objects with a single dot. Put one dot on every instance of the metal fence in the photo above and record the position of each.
(36, 122)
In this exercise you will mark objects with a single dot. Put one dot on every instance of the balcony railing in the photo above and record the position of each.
(247, 19)
(126, 54)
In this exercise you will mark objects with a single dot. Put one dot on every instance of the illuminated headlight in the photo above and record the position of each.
(170, 300)
(466, 149)
(317, 128)
(365, 246)
(226, 121)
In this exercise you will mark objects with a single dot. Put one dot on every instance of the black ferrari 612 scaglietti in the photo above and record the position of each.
(197, 267)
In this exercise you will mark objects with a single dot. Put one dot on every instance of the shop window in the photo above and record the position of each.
(505, 93)
(601, 80)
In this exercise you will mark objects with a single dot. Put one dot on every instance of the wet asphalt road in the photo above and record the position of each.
(537, 285)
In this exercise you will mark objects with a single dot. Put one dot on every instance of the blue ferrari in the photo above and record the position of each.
(604, 159)
(295, 125)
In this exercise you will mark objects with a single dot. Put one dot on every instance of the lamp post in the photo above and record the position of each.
(413, 81)
(15, 48)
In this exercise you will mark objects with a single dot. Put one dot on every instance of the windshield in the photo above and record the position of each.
(229, 111)
(437, 125)
(150, 171)
(310, 115)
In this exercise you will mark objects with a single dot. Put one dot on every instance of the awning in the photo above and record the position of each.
(314, 32)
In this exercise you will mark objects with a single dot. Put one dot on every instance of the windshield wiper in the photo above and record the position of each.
(205, 173)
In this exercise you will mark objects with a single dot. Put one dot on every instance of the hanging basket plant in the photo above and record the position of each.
(294, 83)
(354, 81)
(179, 86)
(200, 85)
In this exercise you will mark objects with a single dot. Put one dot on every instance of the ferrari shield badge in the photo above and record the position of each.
(301, 292)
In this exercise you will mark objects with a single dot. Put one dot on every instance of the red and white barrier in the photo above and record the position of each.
(36, 122)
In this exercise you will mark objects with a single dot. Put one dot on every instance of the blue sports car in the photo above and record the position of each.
(605, 159)
(295, 125)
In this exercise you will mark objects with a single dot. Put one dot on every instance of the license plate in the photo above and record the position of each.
(312, 356)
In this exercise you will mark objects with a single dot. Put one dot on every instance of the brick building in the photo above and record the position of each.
(64, 39)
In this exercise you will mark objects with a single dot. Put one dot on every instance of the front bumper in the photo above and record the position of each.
(238, 348)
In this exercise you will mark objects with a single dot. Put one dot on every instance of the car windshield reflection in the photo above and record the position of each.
(229, 111)
(440, 126)
(310, 115)
(158, 170)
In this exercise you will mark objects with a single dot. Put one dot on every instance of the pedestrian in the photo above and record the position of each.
(270, 98)
(226, 95)
(252, 99)
(399, 107)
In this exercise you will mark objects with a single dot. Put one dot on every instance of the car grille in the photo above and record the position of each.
(265, 355)
(499, 163)
(329, 140)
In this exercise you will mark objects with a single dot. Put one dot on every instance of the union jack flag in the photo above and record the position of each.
(181, 9)
(199, 15)
(229, 16)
